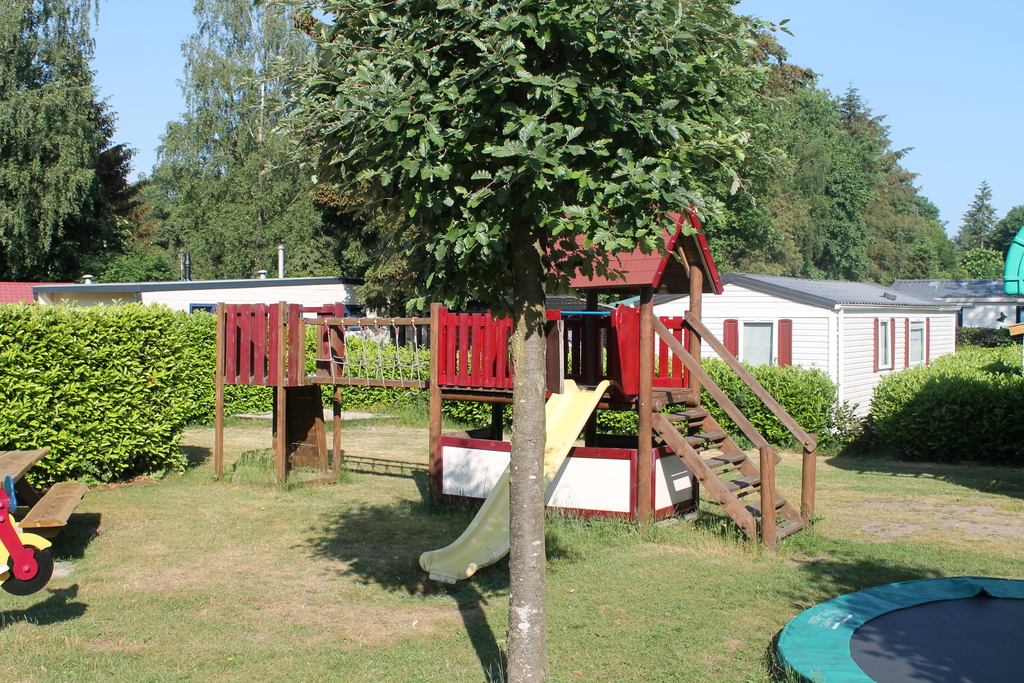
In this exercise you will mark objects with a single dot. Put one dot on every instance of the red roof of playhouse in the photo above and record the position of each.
(16, 292)
(666, 274)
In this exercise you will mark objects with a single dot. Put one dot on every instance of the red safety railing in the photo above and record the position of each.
(253, 334)
(473, 350)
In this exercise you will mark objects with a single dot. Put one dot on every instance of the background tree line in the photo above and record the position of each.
(821, 193)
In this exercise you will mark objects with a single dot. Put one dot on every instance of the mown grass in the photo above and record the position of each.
(192, 579)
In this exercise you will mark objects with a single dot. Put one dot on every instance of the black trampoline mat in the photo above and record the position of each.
(970, 640)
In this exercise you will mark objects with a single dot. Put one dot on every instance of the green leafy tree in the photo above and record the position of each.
(1007, 228)
(979, 221)
(63, 187)
(522, 142)
(981, 263)
(226, 187)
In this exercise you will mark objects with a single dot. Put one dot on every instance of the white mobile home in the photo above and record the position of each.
(857, 332)
(983, 303)
(189, 295)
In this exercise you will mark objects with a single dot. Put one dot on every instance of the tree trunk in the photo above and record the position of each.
(527, 616)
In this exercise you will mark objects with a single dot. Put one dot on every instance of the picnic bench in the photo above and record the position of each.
(48, 513)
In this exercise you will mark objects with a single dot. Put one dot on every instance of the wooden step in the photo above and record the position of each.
(691, 415)
(755, 507)
(705, 438)
(725, 460)
(746, 484)
(788, 526)
(51, 513)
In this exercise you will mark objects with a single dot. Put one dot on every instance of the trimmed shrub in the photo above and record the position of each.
(985, 337)
(107, 389)
(963, 407)
(809, 396)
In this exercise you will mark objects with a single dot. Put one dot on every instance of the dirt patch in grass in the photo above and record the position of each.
(905, 518)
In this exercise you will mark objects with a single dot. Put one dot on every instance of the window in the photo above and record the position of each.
(916, 341)
(209, 308)
(757, 343)
(883, 344)
(1020, 314)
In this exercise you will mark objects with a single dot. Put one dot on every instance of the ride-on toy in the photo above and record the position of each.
(26, 562)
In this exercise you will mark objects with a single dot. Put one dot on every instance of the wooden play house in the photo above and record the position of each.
(653, 364)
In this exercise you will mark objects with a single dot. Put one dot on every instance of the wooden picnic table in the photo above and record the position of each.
(15, 464)
(49, 513)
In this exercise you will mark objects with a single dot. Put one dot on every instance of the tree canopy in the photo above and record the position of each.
(226, 187)
(513, 144)
(63, 182)
(979, 221)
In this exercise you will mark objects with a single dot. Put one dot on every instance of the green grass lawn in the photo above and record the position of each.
(191, 579)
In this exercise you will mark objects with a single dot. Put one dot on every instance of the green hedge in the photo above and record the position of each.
(807, 395)
(107, 389)
(963, 407)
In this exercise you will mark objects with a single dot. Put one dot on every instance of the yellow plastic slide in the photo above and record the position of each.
(485, 540)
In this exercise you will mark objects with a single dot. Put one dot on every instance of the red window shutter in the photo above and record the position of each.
(874, 363)
(892, 343)
(906, 342)
(927, 340)
(731, 336)
(785, 342)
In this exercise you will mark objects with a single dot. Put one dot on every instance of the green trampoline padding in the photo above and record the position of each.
(1013, 271)
(815, 644)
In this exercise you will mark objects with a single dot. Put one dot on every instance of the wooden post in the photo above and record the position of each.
(336, 440)
(434, 465)
(336, 342)
(280, 405)
(696, 304)
(807, 484)
(768, 537)
(497, 421)
(645, 407)
(591, 349)
(218, 433)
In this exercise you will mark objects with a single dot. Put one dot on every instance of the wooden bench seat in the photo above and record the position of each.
(50, 514)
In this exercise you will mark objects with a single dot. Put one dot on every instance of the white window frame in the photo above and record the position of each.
(885, 362)
(923, 327)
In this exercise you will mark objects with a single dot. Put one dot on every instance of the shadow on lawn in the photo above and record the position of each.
(60, 606)
(998, 480)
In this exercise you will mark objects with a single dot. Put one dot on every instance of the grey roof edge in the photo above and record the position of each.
(180, 285)
(777, 290)
(798, 296)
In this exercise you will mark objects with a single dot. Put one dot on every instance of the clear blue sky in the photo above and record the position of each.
(945, 73)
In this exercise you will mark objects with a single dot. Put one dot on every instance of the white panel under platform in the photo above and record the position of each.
(472, 472)
(673, 483)
(592, 484)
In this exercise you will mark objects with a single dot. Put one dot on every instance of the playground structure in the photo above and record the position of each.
(650, 364)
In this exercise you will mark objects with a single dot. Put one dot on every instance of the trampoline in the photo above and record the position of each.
(963, 629)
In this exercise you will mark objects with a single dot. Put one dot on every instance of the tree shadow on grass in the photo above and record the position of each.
(196, 455)
(61, 606)
(381, 545)
(994, 479)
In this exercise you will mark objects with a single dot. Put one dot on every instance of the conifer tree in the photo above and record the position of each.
(979, 221)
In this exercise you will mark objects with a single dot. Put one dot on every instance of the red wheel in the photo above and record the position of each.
(44, 559)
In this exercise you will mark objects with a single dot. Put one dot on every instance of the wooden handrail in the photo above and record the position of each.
(785, 418)
(709, 385)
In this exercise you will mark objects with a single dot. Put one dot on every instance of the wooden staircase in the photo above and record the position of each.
(725, 471)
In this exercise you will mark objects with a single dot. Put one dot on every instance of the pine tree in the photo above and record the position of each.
(63, 184)
(979, 221)
(228, 189)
